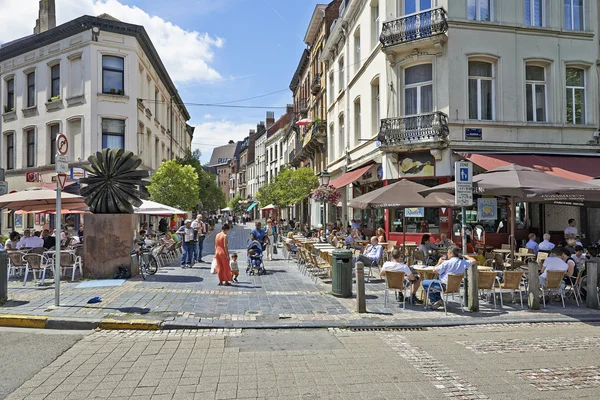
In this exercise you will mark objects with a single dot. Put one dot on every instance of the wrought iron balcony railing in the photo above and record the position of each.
(315, 86)
(418, 129)
(415, 26)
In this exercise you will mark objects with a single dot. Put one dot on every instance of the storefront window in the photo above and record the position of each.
(476, 228)
(430, 222)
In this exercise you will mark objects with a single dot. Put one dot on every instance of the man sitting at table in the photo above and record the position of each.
(555, 262)
(454, 264)
(532, 244)
(397, 266)
(546, 245)
(444, 241)
(30, 241)
(372, 253)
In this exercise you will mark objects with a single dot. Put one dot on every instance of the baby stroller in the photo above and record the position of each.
(255, 259)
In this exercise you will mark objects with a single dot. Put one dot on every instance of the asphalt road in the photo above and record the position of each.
(24, 352)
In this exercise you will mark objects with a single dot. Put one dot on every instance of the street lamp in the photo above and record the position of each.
(324, 178)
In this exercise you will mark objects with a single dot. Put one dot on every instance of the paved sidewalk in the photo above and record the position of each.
(190, 298)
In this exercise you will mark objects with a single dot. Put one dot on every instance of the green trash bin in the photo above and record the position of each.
(341, 274)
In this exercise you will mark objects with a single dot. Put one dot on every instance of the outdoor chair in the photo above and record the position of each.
(486, 282)
(512, 283)
(37, 250)
(394, 281)
(574, 287)
(452, 288)
(15, 263)
(35, 263)
(554, 280)
(418, 255)
(525, 250)
(68, 260)
(505, 247)
(541, 257)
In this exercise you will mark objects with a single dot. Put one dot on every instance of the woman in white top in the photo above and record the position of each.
(13, 239)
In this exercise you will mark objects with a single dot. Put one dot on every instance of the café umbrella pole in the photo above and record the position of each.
(57, 248)
(513, 218)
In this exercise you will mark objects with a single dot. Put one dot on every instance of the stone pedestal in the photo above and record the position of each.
(108, 243)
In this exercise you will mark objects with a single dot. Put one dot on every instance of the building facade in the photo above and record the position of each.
(415, 85)
(97, 80)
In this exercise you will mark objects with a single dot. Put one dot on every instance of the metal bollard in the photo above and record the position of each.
(3, 276)
(472, 288)
(361, 304)
(533, 297)
(591, 300)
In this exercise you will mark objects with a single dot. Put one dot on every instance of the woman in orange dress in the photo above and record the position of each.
(222, 257)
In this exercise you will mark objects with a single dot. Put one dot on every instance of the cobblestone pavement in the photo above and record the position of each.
(320, 364)
(188, 297)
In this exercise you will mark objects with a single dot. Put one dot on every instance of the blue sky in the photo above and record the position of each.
(215, 50)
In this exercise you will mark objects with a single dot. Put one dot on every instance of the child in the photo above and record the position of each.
(235, 271)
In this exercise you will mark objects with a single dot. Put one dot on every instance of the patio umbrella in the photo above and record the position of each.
(39, 199)
(404, 194)
(525, 184)
(153, 208)
(304, 122)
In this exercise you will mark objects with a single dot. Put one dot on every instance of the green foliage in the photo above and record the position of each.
(175, 185)
(210, 195)
(289, 187)
(235, 206)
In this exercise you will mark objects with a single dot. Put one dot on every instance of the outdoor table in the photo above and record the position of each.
(486, 247)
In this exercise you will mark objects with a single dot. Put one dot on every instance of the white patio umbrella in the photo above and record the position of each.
(39, 199)
(153, 208)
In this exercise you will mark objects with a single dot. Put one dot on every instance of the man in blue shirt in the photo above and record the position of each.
(371, 254)
(454, 264)
(259, 233)
(532, 244)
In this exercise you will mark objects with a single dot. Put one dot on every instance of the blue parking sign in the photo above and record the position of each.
(464, 174)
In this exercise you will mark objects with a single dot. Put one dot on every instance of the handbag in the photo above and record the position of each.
(213, 266)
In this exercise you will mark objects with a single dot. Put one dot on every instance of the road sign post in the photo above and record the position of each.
(463, 189)
(62, 168)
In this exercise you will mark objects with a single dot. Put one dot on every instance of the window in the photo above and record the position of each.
(75, 87)
(574, 15)
(29, 221)
(414, 6)
(575, 96)
(10, 95)
(331, 87)
(30, 140)
(357, 60)
(55, 81)
(331, 143)
(53, 133)
(418, 89)
(534, 12)
(341, 137)
(481, 90)
(535, 86)
(113, 76)
(480, 10)
(10, 151)
(357, 120)
(113, 133)
(156, 104)
(375, 28)
(31, 89)
(341, 74)
(375, 105)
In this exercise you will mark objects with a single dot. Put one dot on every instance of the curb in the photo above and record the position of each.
(23, 321)
(134, 324)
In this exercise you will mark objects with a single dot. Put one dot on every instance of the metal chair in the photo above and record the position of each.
(69, 260)
(486, 281)
(554, 280)
(15, 263)
(512, 283)
(394, 281)
(452, 288)
(35, 263)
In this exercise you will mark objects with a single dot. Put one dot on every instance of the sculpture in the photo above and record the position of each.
(113, 182)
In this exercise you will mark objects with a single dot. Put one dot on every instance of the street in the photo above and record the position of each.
(523, 361)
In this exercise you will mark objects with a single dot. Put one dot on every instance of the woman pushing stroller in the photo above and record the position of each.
(255, 257)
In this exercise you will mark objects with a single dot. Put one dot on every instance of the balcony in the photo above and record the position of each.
(303, 108)
(419, 131)
(315, 86)
(424, 25)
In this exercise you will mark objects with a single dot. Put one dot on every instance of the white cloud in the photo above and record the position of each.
(209, 135)
(207, 116)
(186, 54)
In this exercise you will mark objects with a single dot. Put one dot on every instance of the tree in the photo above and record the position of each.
(289, 187)
(210, 195)
(235, 206)
(175, 185)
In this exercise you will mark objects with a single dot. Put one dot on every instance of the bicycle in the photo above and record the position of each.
(147, 262)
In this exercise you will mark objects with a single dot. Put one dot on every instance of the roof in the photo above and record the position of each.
(281, 123)
(314, 24)
(222, 154)
(301, 66)
(105, 23)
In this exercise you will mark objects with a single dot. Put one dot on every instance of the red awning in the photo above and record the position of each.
(349, 177)
(579, 168)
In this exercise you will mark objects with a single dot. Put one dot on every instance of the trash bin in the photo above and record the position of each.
(3, 276)
(341, 274)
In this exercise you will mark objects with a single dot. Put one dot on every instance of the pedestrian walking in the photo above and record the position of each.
(186, 233)
(235, 270)
(272, 236)
(200, 228)
(222, 256)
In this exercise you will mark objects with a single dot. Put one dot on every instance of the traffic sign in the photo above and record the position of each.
(62, 144)
(62, 179)
(62, 165)
(463, 183)
(30, 177)
(3, 188)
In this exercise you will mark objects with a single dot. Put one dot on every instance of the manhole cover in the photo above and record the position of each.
(321, 312)
(253, 312)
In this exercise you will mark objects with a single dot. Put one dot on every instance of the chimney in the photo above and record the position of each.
(260, 127)
(289, 109)
(270, 119)
(46, 18)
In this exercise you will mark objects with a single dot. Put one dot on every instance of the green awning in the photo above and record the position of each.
(252, 206)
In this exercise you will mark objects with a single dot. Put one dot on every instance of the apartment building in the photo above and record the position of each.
(415, 85)
(275, 144)
(221, 160)
(243, 165)
(97, 80)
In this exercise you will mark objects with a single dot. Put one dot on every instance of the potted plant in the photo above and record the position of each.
(112, 91)
(51, 99)
(5, 107)
(326, 194)
(121, 92)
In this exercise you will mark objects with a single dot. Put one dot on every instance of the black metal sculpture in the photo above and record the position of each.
(113, 182)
